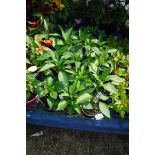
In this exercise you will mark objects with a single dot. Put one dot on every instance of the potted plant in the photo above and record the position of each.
(77, 74)
(80, 75)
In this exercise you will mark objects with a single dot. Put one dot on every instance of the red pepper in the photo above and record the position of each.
(117, 68)
(33, 23)
(48, 42)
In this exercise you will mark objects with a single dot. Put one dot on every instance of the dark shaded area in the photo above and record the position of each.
(70, 142)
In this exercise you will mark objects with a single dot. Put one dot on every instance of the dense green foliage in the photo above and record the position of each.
(77, 69)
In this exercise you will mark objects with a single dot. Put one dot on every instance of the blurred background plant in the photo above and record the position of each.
(109, 15)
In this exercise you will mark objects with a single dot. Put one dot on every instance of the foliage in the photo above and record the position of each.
(76, 70)
(112, 16)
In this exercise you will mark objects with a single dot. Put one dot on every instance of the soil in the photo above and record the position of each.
(70, 142)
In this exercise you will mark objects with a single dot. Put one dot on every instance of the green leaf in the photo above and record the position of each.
(70, 110)
(78, 85)
(54, 35)
(71, 89)
(111, 88)
(122, 113)
(105, 73)
(36, 83)
(113, 64)
(64, 94)
(93, 54)
(78, 65)
(96, 77)
(83, 69)
(59, 42)
(62, 105)
(40, 91)
(84, 98)
(44, 56)
(95, 41)
(46, 67)
(29, 39)
(27, 61)
(31, 77)
(113, 50)
(77, 108)
(106, 65)
(62, 76)
(70, 71)
(66, 35)
(93, 68)
(60, 86)
(67, 55)
(79, 53)
(87, 90)
(46, 24)
(103, 97)
(115, 78)
(87, 106)
(69, 62)
(104, 109)
(50, 102)
(52, 53)
(49, 81)
(96, 50)
(53, 94)
(115, 83)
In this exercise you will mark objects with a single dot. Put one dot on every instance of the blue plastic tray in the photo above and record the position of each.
(58, 120)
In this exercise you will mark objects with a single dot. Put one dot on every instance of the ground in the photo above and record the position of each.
(70, 142)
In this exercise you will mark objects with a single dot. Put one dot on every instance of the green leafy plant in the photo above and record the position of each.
(80, 72)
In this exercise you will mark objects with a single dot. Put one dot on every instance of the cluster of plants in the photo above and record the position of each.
(76, 70)
(110, 15)
(42, 13)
